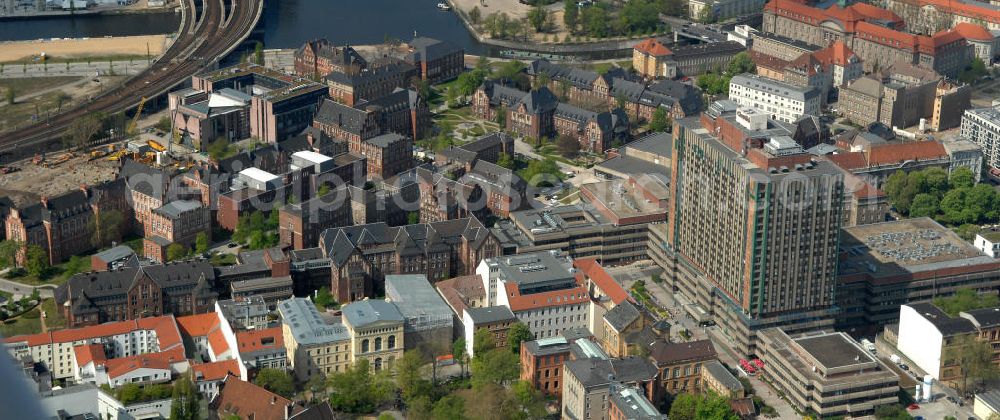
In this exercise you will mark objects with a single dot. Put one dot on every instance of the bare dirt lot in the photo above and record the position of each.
(16, 51)
(31, 181)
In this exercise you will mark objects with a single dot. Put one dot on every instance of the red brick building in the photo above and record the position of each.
(178, 222)
(319, 57)
(64, 225)
(436, 61)
(361, 256)
(134, 292)
(370, 83)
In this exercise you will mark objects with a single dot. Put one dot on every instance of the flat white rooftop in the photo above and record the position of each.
(258, 175)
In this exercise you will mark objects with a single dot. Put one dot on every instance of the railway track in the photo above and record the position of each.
(203, 40)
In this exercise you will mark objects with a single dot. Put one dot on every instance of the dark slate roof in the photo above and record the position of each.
(689, 96)
(113, 285)
(664, 353)
(540, 101)
(501, 95)
(946, 324)
(491, 314)
(386, 139)
(371, 74)
(334, 113)
(430, 49)
(340, 243)
(598, 372)
(622, 315)
(487, 141)
(176, 208)
(983, 318)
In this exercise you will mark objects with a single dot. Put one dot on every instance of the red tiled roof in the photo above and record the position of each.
(973, 31)
(574, 296)
(89, 353)
(849, 160)
(198, 325)
(872, 12)
(837, 53)
(216, 371)
(808, 63)
(962, 9)
(218, 342)
(254, 340)
(596, 273)
(885, 36)
(653, 47)
(867, 190)
(164, 326)
(249, 401)
(121, 366)
(885, 154)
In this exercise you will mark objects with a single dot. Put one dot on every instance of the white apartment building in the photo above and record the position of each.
(982, 126)
(122, 339)
(725, 9)
(785, 102)
(540, 289)
(988, 242)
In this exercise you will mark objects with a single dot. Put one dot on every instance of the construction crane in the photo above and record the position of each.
(135, 120)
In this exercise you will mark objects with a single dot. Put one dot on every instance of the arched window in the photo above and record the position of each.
(364, 346)
(392, 342)
(378, 364)
(378, 343)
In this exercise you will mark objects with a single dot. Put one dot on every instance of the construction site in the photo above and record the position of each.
(52, 174)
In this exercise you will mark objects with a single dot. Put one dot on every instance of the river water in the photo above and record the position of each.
(286, 23)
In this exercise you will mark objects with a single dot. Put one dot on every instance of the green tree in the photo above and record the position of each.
(974, 359)
(83, 129)
(420, 408)
(8, 252)
(962, 177)
(276, 381)
(129, 393)
(475, 15)
(358, 390)
(538, 17)
(451, 407)
(891, 412)
(684, 407)
(517, 334)
(409, 376)
(11, 95)
(953, 208)
(706, 14)
(176, 251)
(413, 218)
(924, 205)
(36, 261)
(505, 161)
(323, 189)
(570, 15)
(973, 72)
(510, 70)
(201, 243)
(482, 342)
(459, 353)
(185, 400)
(715, 407)
(595, 21)
(497, 367)
(740, 63)
(324, 299)
(676, 8)
(258, 53)
(531, 403)
(660, 121)
(966, 300)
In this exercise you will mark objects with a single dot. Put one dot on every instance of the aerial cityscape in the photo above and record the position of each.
(500, 209)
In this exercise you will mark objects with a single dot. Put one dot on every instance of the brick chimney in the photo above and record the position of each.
(310, 139)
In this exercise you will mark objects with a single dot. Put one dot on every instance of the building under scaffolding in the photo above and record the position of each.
(427, 320)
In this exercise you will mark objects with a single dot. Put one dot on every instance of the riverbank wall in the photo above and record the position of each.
(596, 49)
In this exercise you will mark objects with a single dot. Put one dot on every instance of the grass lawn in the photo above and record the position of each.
(222, 259)
(32, 110)
(27, 85)
(27, 323)
(57, 274)
(53, 317)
